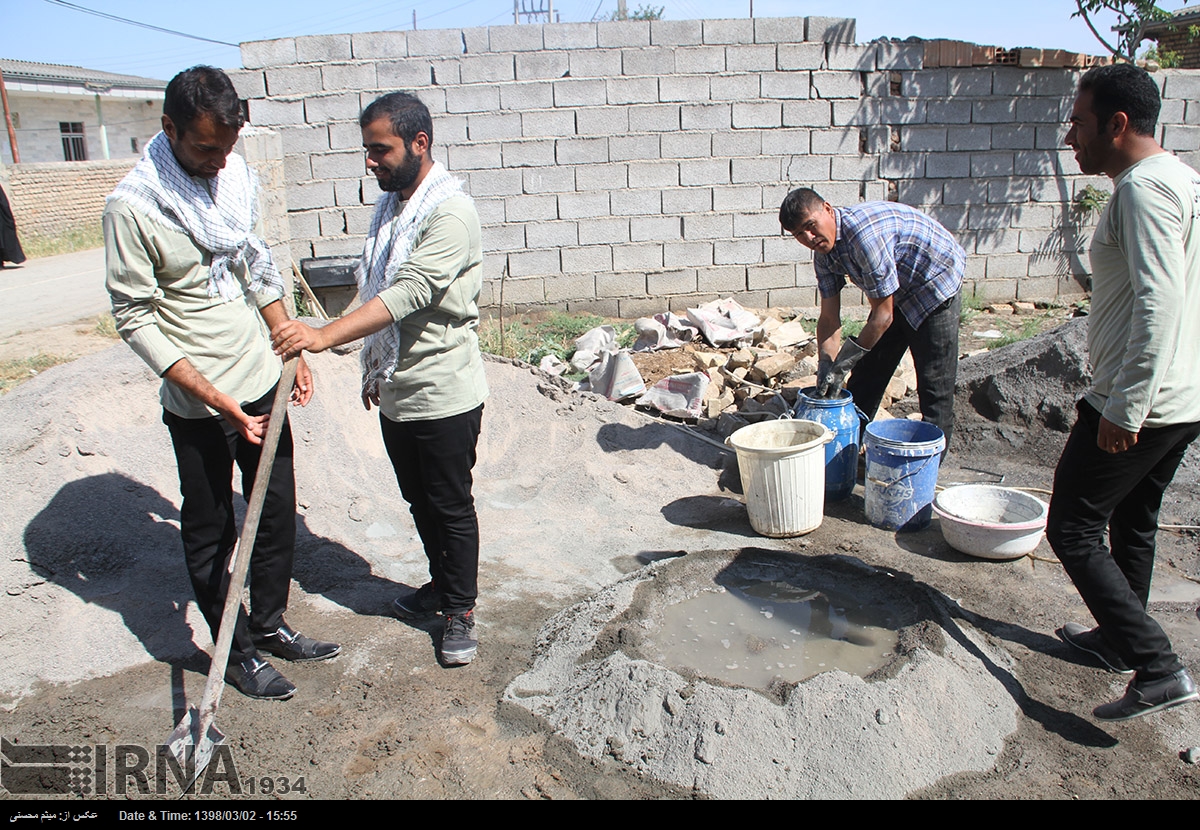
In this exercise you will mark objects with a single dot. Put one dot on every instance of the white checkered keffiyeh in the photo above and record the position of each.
(220, 217)
(389, 244)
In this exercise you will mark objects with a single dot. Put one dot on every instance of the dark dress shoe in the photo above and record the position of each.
(255, 677)
(292, 645)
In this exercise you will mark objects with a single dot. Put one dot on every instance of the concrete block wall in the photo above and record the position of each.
(621, 167)
(54, 197)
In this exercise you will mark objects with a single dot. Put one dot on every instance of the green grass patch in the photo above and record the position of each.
(853, 328)
(106, 326)
(75, 239)
(14, 372)
(530, 340)
(1030, 328)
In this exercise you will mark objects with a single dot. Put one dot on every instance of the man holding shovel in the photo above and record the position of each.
(194, 292)
(1143, 408)
(911, 270)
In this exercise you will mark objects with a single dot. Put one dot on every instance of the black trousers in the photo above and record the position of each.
(206, 450)
(934, 347)
(1095, 490)
(433, 462)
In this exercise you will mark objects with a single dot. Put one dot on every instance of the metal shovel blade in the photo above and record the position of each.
(191, 750)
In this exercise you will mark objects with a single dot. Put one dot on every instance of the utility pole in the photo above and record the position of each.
(12, 134)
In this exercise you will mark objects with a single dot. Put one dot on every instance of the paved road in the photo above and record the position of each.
(52, 290)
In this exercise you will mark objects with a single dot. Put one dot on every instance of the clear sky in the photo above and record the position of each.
(38, 30)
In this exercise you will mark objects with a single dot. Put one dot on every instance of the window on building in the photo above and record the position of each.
(74, 143)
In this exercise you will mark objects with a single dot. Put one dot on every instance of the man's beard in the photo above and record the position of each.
(401, 177)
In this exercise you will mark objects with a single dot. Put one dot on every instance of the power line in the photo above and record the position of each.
(107, 16)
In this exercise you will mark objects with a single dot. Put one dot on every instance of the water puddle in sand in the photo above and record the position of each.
(754, 631)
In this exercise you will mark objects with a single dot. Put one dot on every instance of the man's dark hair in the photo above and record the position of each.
(202, 90)
(407, 115)
(1123, 87)
(798, 204)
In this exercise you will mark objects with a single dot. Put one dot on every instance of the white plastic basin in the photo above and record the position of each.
(990, 522)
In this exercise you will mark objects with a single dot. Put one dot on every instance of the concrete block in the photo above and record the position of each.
(919, 193)
(854, 168)
(621, 285)
(801, 297)
(306, 138)
(650, 118)
(532, 263)
(704, 172)
(249, 83)
(569, 36)
(926, 83)
(681, 254)
(601, 308)
(707, 117)
(527, 38)
(548, 180)
(923, 138)
(786, 85)
(1010, 81)
(338, 106)
(535, 153)
(779, 29)
(1013, 137)
(655, 62)
(830, 29)
(655, 228)
(589, 258)
(1042, 217)
(584, 92)
(707, 226)
(992, 164)
(338, 165)
(443, 72)
(338, 246)
(310, 195)
(475, 98)
(496, 182)
(676, 32)
(854, 112)
(1059, 82)
(595, 63)
(859, 57)
(959, 139)
(990, 291)
(757, 224)
(304, 225)
(759, 277)
(1037, 163)
(699, 59)
(728, 31)
(739, 143)
(491, 211)
(1172, 112)
(623, 33)
(522, 208)
(403, 74)
(724, 280)
(371, 45)
(536, 66)
(665, 283)
(269, 113)
(1037, 288)
(685, 200)
(612, 121)
(814, 113)
(1044, 110)
(346, 135)
(894, 55)
(321, 48)
(814, 169)
(743, 197)
(752, 170)
(637, 307)
(260, 53)
(435, 42)
(1177, 83)
(686, 145)
(1007, 266)
(604, 231)
(902, 165)
(952, 218)
(602, 176)
(757, 114)
(837, 85)
(948, 111)
(639, 202)
(622, 91)
(486, 69)
(798, 56)
(583, 205)
(570, 287)
(740, 87)
(948, 165)
(633, 148)
(637, 256)
(879, 138)
(756, 58)
(332, 222)
(780, 248)
(835, 142)
(737, 251)
(548, 124)
(901, 111)
(473, 156)
(292, 80)
(523, 292)
(973, 82)
(1180, 138)
(651, 174)
(358, 220)
(492, 126)
(992, 242)
(581, 150)
(684, 88)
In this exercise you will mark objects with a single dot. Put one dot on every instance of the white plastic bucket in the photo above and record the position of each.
(782, 465)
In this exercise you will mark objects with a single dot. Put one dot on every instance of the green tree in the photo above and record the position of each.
(642, 13)
(1133, 16)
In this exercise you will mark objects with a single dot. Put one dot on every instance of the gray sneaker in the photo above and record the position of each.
(1143, 697)
(458, 639)
(423, 602)
(1091, 641)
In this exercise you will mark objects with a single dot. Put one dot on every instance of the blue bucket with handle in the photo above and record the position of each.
(845, 421)
(903, 457)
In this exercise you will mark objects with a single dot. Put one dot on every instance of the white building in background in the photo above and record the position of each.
(68, 113)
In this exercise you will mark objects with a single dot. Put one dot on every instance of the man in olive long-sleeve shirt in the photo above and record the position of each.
(419, 280)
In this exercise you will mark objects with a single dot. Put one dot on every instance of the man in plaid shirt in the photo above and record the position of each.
(911, 270)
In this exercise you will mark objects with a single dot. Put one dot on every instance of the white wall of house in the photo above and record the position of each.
(127, 117)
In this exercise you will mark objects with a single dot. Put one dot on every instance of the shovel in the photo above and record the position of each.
(196, 736)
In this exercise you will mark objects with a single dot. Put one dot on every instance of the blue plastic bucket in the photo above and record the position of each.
(902, 469)
(844, 420)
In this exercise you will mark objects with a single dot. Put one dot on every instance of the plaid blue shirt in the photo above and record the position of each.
(886, 249)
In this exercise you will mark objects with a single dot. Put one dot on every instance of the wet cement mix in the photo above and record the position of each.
(599, 525)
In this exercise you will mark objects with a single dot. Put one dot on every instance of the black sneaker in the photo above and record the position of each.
(1091, 641)
(423, 602)
(292, 645)
(255, 677)
(1145, 696)
(458, 639)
